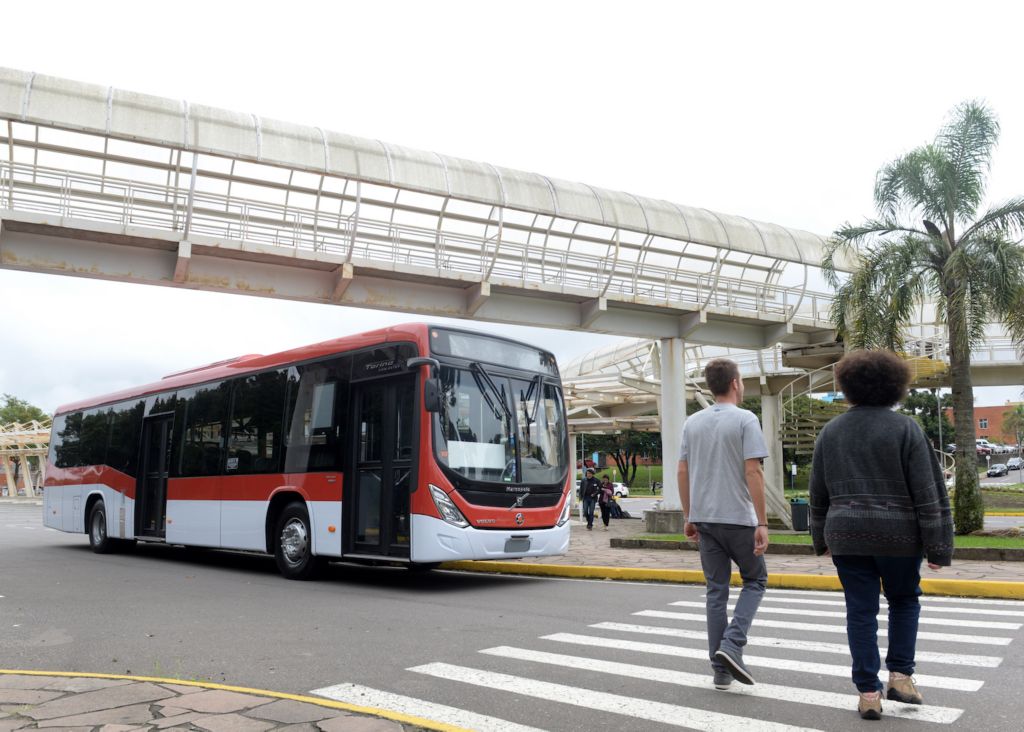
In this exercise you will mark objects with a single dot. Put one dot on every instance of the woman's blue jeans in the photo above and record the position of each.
(900, 579)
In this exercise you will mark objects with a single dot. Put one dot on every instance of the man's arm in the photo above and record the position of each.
(683, 480)
(755, 484)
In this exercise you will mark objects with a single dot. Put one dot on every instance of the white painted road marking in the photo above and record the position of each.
(367, 697)
(802, 612)
(652, 711)
(803, 695)
(926, 599)
(842, 649)
(883, 605)
(800, 666)
(985, 640)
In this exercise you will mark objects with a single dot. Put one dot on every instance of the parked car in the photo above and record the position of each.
(997, 470)
(1015, 464)
(621, 490)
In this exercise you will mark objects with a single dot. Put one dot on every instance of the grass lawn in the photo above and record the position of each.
(1002, 542)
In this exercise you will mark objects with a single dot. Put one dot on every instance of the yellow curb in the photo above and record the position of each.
(951, 587)
(374, 711)
(1004, 513)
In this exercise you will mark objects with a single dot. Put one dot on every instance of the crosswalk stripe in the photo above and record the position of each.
(927, 599)
(934, 609)
(364, 696)
(942, 715)
(959, 659)
(984, 640)
(785, 664)
(652, 711)
(802, 612)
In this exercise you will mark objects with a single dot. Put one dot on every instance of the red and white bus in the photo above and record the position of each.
(413, 444)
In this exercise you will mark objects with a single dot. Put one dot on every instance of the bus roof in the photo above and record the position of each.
(415, 332)
(227, 368)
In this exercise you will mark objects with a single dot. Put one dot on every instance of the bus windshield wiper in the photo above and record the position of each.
(499, 396)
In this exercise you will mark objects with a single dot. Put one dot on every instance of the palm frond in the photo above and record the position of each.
(1006, 219)
(968, 140)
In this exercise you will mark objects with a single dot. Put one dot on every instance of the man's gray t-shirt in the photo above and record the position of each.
(716, 442)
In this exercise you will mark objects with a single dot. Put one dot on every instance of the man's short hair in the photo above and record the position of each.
(590, 470)
(719, 373)
(873, 378)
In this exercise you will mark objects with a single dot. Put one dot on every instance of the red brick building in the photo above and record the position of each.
(988, 422)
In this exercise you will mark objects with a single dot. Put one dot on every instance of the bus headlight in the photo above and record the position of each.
(566, 512)
(448, 510)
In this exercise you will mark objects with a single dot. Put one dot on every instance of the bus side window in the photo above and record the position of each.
(316, 417)
(202, 412)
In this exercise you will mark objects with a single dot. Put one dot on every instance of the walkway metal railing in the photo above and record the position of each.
(368, 242)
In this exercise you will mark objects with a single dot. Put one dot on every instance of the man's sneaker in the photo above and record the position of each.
(870, 705)
(732, 662)
(902, 689)
(722, 679)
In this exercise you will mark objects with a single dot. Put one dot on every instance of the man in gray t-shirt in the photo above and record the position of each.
(721, 487)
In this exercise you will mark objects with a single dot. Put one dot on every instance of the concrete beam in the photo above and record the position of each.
(476, 296)
(591, 310)
(184, 261)
(346, 275)
(780, 333)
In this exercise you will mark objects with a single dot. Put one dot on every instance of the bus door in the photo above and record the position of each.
(377, 499)
(151, 489)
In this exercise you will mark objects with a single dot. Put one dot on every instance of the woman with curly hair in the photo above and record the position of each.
(878, 505)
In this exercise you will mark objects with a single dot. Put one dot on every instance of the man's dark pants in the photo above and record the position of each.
(588, 511)
(720, 546)
(901, 581)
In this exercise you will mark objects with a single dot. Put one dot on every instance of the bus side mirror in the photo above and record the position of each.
(432, 395)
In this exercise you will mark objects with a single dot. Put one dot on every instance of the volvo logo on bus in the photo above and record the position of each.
(519, 519)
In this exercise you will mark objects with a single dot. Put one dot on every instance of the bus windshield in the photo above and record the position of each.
(499, 429)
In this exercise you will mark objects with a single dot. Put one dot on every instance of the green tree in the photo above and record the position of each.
(929, 244)
(625, 448)
(1013, 424)
(923, 406)
(18, 410)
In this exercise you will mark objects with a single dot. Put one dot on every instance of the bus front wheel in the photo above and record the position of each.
(98, 539)
(293, 544)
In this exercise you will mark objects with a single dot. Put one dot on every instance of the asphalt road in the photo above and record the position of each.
(523, 650)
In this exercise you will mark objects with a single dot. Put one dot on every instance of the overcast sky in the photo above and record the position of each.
(778, 111)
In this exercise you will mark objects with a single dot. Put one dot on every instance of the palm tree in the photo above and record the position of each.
(1013, 424)
(929, 244)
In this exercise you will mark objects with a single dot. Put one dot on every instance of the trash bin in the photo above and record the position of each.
(798, 510)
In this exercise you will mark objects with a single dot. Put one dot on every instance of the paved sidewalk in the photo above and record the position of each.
(88, 704)
(592, 548)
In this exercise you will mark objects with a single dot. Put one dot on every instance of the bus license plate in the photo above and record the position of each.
(517, 544)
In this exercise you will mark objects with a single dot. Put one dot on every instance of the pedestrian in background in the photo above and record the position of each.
(590, 491)
(721, 488)
(878, 504)
(606, 499)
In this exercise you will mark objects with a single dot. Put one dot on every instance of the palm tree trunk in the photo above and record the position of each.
(969, 510)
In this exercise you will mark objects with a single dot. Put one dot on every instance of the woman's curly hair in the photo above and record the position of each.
(873, 378)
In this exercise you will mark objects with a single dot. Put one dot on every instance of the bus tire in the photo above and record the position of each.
(293, 544)
(98, 539)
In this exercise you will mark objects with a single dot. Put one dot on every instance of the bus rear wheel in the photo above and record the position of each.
(98, 539)
(293, 544)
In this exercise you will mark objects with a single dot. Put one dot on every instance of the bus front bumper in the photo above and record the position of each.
(434, 540)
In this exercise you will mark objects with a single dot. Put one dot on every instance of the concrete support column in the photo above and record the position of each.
(774, 466)
(672, 408)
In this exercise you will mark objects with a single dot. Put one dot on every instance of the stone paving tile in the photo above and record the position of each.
(81, 684)
(91, 701)
(182, 689)
(359, 724)
(175, 720)
(18, 681)
(8, 725)
(304, 727)
(130, 715)
(27, 696)
(216, 702)
(231, 723)
(287, 711)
